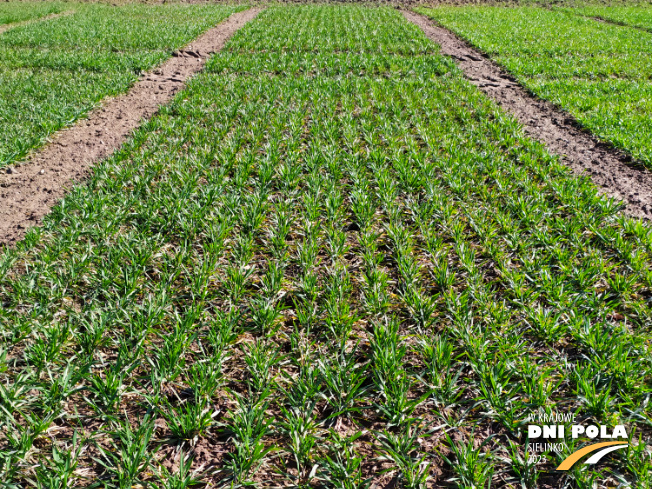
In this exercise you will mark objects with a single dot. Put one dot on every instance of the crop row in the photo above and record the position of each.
(598, 72)
(12, 12)
(630, 15)
(54, 71)
(286, 279)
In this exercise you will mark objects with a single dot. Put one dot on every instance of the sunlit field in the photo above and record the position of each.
(331, 261)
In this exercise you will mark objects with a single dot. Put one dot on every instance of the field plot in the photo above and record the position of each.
(636, 16)
(53, 72)
(597, 72)
(331, 259)
(13, 12)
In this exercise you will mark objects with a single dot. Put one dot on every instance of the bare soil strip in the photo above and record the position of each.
(612, 170)
(6, 27)
(29, 190)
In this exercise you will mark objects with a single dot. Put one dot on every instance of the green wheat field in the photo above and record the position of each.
(331, 261)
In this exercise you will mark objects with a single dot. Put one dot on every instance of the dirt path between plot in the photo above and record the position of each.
(602, 20)
(6, 27)
(29, 190)
(609, 168)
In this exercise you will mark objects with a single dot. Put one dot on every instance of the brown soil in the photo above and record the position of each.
(6, 27)
(612, 170)
(28, 191)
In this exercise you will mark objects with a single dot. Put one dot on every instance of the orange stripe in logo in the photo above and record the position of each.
(574, 457)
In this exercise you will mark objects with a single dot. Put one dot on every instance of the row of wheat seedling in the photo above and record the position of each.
(304, 279)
